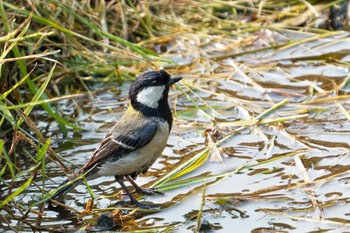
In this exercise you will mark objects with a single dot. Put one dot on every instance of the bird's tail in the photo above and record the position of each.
(65, 187)
(69, 184)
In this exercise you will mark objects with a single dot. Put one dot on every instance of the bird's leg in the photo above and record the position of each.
(132, 199)
(138, 189)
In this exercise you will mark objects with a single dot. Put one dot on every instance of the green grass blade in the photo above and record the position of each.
(37, 95)
(3, 96)
(6, 113)
(40, 159)
(209, 178)
(42, 150)
(273, 108)
(4, 18)
(9, 163)
(17, 192)
(1, 147)
(193, 163)
(89, 189)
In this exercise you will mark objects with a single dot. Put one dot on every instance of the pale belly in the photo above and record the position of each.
(138, 160)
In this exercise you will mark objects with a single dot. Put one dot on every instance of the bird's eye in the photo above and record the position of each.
(154, 82)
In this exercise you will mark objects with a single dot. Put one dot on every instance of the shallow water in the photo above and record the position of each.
(280, 177)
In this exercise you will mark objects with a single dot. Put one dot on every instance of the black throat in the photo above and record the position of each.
(162, 111)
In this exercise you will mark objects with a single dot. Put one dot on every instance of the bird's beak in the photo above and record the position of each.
(174, 80)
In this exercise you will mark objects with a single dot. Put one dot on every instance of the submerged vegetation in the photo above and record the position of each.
(261, 134)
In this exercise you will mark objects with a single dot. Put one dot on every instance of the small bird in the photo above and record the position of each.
(136, 140)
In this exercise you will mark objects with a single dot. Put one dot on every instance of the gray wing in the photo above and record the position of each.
(123, 139)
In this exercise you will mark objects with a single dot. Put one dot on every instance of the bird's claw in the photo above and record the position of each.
(141, 205)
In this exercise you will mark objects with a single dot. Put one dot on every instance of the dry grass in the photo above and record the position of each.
(266, 75)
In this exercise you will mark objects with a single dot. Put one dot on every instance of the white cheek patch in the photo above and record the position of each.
(150, 96)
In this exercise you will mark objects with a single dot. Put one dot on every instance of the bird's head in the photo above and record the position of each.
(151, 89)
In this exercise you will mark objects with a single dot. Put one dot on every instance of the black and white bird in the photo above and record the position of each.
(136, 140)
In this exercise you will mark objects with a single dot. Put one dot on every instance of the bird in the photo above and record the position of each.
(136, 140)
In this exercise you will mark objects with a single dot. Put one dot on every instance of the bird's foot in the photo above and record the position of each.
(147, 206)
(149, 191)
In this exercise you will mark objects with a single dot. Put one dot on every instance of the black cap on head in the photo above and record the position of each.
(153, 78)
